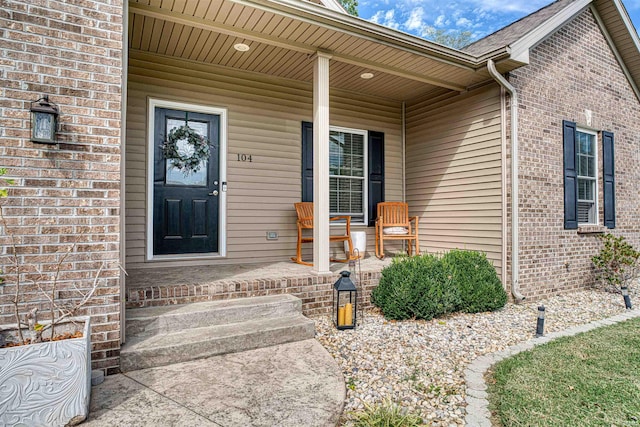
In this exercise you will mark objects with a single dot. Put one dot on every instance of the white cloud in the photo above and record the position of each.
(422, 17)
(389, 20)
(415, 19)
(375, 18)
(464, 23)
(514, 6)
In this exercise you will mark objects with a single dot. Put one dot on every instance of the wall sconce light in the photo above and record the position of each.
(44, 121)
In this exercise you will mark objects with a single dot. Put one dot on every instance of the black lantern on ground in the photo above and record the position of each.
(44, 121)
(345, 297)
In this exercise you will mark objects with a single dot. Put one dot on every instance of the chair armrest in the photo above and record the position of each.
(344, 217)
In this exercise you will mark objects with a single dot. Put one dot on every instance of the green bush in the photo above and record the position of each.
(477, 281)
(428, 286)
(416, 287)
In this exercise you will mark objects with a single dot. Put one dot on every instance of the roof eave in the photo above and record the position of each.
(520, 48)
(316, 14)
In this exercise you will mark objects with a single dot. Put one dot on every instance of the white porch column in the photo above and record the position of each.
(321, 163)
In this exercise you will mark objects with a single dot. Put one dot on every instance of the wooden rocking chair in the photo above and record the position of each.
(305, 221)
(393, 223)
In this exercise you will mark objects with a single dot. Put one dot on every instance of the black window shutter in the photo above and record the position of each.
(307, 162)
(376, 173)
(570, 176)
(609, 180)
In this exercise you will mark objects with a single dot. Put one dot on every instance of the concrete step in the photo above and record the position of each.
(167, 319)
(196, 343)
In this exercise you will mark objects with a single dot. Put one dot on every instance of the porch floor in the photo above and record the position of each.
(185, 284)
(145, 277)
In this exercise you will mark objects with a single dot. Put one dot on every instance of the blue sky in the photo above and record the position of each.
(481, 17)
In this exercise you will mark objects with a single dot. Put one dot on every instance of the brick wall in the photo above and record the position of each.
(66, 195)
(572, 71)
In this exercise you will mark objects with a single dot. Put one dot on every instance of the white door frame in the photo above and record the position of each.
(154, 103)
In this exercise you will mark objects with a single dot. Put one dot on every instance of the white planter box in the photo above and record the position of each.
(47, 384)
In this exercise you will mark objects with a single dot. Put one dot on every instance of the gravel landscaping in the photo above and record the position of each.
(419, 364)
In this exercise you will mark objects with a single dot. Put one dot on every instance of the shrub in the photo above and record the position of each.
(415, 287)
(385, 415)
(477, 281)
(428, 286)
(616, 263)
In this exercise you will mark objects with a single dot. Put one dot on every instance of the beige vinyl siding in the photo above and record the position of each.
(454, 174)
(264, 120)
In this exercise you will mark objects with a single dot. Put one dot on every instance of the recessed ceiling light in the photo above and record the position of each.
(241, 47)
(366, 76)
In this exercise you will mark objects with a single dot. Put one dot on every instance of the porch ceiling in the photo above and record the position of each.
(282, 44)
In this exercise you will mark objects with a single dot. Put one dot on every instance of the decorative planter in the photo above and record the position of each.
(49, 383)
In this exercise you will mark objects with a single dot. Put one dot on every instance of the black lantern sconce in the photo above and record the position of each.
(345, 297)
(44, 121)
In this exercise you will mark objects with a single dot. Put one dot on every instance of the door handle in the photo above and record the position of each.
(214, 193)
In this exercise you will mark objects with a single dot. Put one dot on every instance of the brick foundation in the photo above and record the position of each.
(316, 292)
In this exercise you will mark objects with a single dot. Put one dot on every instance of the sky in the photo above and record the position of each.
(480, 17)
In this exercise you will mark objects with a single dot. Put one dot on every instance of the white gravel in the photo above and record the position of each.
(419, 364)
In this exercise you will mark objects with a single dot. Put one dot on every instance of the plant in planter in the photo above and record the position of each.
(45, 366)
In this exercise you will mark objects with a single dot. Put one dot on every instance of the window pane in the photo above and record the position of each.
(584, 212)
(586, 149)
(583, 165)
(346, 159)
(345, 196)
(586, 189)
(175, 176)
(346, 154)
(335, 153)
(586, 143)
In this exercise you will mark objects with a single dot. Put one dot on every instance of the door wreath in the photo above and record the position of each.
(188, 159)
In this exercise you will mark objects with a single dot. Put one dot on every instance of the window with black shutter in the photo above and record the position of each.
(356, 171)
(581, 177)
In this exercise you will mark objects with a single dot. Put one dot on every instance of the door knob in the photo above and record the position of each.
(214, 193)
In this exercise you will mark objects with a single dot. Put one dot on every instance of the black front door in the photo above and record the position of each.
(185, 205)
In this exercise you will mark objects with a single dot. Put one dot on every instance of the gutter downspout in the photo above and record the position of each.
(515, 238)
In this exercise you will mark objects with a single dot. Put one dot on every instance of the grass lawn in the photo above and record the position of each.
(591, 379)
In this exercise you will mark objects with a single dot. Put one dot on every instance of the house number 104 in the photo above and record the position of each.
(244, 157)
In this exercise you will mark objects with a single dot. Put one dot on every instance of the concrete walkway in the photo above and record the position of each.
(295, 384)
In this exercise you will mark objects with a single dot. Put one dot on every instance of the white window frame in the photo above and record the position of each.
(365, 178)
(594, 178)
(152, 104)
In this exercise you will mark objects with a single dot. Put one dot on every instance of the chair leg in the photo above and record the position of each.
(381, 247)
(298, 258)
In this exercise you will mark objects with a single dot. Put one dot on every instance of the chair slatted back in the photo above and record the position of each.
(305, 214)
(394, 214)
